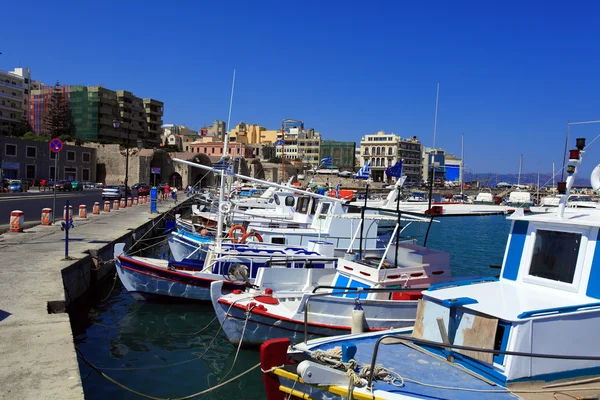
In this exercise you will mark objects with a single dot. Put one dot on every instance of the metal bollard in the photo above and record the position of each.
(129, 202)
(135, 201)
(96, 209)
(122, 205)
(65, 213)
(107, 206)
(46, 216)
(116, 205)
(17, 219)
(83, 211)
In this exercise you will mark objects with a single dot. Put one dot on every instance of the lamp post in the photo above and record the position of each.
(117, 125)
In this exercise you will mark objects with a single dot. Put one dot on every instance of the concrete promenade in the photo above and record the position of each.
(38, 358)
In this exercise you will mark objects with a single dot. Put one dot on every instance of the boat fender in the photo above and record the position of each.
(358, 319)
(595, 179)
(224, 208)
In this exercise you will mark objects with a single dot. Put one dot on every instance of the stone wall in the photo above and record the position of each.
(110, 164)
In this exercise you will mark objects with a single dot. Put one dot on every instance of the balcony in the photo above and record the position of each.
(8, 106)
(6, 95)
(11, 85)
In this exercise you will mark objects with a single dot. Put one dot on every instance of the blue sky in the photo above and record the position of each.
(511, 73)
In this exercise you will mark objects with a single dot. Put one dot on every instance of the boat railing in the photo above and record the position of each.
(412, 342)
(339, 290)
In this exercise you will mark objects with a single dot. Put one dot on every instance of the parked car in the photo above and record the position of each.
(15, 186)
(100, 185)
(27, 183)
(345, 174)
(88, 185)
(113, 192)
(76, 185)
(142, 189)
(135, 186)
(63, 186)
(43, 182)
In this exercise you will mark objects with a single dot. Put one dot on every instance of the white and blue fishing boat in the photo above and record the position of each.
(530, 333)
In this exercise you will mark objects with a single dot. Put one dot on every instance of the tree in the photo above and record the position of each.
(58, 121)
(21, 129)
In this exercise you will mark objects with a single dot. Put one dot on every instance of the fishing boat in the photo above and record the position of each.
(531, 333)
(550, 203)
(374, 293)
(484, 197)
(233, 263)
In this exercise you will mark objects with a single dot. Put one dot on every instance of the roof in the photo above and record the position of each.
(573, 216)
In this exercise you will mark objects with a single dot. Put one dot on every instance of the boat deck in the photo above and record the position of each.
(441, 379)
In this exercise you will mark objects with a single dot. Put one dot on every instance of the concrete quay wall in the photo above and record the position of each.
(37, 284)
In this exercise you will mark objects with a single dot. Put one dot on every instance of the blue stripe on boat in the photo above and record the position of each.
(515, 250)
(593, 287)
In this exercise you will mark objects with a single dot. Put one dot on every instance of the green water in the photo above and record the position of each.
(155, 348)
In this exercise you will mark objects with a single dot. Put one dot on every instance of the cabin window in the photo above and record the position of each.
(555, 255)
(278, 240)
(324, 210)
(289, 201)
(303, 203)
(277, 201)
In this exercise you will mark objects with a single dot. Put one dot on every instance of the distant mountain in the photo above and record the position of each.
(489, 179)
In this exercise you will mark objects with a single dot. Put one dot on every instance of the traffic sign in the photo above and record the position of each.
(155, 170)
(56, 145)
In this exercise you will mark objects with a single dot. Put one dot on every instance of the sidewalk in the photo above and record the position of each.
(36, 348)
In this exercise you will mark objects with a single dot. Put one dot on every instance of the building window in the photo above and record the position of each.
(389, 151)
(70, 174)
(70, 156)
(30, 171)
(52, 173)
(52, 155)
(85, 174)
(10, 150)
(205, 150)
(213, 150)
(86, 157)
(31, 152)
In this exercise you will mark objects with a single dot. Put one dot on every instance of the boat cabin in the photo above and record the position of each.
(546, 301)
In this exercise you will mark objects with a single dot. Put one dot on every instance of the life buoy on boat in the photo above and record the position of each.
(251, 235)
(232, 233)
(595, 178)
(224, 208)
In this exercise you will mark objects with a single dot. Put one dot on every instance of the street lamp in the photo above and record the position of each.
(116, 125)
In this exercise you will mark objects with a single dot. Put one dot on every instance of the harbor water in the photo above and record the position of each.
(172, 350)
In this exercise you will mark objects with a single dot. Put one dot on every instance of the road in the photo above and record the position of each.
(31, 203)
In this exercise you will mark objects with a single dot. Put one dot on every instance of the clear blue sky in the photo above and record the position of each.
(511, 72)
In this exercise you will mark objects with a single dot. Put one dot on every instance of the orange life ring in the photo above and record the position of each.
(251, 234)
(233, 230)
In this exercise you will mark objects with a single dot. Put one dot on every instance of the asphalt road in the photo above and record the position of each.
(31, 203)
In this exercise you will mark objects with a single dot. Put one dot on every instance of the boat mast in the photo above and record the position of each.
(520, 167)
(222, 190)
(437, 95)
(553, 183)
(462, 164)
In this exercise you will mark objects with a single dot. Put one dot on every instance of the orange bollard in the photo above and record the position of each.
(116, 205)
(96, 209)
(123, 204)
(135, 201)
(141, 200)
(65, 213)
(107, 206)
(46, 216)
(17, 219)
(129, 202)
(82, 211)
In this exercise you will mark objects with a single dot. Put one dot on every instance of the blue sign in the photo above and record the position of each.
(56, 145)
(153, 197)
(155, 170)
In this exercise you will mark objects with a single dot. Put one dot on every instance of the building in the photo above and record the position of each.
(94, 110)
(13, 101)
(292, 123)
(381, 150)
(217, 131)
(178, 137)
(247, 133)
(28, 159)
(39, 103)
(216, 149)
(342, 153)
(269, 135)
(434, 161)
(410, 151)
(454, 167)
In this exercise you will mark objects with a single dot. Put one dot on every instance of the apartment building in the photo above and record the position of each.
(410, 150)
(94, 110)
(217, 131)
(342, 153)
(13, 101)
(299, 144)
(381, 150)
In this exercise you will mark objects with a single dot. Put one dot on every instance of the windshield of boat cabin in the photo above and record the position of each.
(555, 255)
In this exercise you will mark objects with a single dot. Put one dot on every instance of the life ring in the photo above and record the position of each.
(251, 234)
(595, 178)
(232, 233)
(224, 208)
